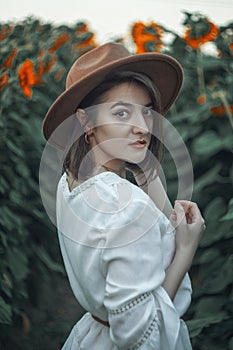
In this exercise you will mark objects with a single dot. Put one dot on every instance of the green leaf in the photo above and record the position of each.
(14, 148)
(5, 312)
(209, 306)
(231, 344)
(6, 283)
(212, 214)
(18, 263)
(208, 178)
(196, 326)
(3, 185)
(22, 170)
(45, 258)
(215, 209)
(8, 219)
(209, 143)
(16, 197)
(208, 256)
(229, 214)
(221, 279)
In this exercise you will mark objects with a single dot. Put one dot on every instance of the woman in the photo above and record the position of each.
(126, 263)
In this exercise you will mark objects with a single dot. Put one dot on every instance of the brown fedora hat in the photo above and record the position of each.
(90, 69)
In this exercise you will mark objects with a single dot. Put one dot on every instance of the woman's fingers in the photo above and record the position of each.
(193, 215)
(187, 213)
(173, 215)
(192, 211)
(180, 213)
(189, 225)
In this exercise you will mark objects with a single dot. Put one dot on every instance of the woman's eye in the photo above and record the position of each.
(121, 114)
(148, 112)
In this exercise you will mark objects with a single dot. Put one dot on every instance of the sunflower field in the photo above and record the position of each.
(37, 308)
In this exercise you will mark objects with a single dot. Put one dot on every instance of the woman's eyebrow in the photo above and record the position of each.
(128, 104)
(122, 103)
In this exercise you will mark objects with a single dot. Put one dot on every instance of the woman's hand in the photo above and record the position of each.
(190, 226)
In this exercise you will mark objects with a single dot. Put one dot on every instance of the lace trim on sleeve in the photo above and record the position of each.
(131, 304)
(153, 326)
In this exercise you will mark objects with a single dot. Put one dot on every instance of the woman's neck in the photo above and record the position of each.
(100, 168)
(119, 171)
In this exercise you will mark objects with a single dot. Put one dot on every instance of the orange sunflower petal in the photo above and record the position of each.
(3, 80)
(82, 29)
(62, 39)
(9, 60)
(28, 78)
(86, 43)
(5, 31)
(201, 99)
(219, 110)
(44, 68)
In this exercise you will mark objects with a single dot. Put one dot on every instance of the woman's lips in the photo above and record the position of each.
(139, 143)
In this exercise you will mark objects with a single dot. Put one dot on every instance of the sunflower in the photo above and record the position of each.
(200, 32)
(148, 38)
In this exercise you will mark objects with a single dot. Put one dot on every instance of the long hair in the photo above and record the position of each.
(78, 152)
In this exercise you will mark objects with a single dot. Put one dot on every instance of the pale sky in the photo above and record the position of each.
(108, 18)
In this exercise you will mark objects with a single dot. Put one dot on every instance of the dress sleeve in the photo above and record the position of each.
(134, 274)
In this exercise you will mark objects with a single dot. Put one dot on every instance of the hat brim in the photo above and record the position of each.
(164, 71)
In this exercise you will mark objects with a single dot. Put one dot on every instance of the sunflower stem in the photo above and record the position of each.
(200, 74)
(222, 96)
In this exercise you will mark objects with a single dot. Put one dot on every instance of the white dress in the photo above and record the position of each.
(116, 245)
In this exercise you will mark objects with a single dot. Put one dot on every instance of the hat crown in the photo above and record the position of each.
(94, 60)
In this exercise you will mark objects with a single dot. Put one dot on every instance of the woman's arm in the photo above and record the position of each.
(190, 226)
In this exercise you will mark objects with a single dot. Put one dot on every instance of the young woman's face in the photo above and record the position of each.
(124, 123)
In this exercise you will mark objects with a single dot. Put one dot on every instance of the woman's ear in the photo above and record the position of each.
(82, 118)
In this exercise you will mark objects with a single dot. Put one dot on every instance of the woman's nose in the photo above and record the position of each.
(140, 126)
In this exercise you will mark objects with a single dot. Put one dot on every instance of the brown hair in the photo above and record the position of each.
(78, 152)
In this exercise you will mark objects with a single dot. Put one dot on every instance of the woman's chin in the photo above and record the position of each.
(136, 159)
